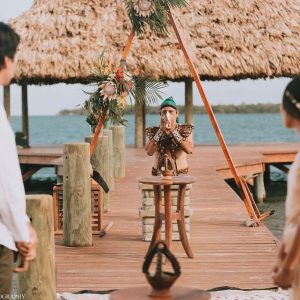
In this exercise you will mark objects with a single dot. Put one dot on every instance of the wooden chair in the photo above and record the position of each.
(97, 215)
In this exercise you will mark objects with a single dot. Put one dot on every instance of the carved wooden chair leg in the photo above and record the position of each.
(168, 216)
(158, 220)
(181, 222)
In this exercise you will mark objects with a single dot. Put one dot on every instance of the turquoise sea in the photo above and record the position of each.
(236, 129)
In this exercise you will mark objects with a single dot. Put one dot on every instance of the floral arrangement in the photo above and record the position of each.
(151, 12)
(113, 86)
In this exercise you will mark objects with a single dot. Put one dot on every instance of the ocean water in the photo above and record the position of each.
(275, 200)
(236, 129)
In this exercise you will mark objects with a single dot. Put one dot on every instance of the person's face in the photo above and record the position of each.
(168, 117)
(8, 70)
(289, 121)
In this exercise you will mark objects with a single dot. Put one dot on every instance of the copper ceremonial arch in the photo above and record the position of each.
(251, 207)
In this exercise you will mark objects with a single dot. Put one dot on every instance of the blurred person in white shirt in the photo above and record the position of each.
(16, 232)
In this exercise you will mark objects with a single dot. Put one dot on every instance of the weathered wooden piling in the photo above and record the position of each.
(39, 281)
(111, 177)
(100, 163)
(77, 196)
(119, 150)
(267, 175)
(259, 188)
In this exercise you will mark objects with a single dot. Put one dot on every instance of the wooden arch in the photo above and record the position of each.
(251, 207)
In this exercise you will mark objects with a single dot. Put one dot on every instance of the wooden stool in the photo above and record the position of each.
(96, 214)
(168, 215)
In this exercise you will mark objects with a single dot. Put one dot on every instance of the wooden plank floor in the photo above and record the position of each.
(226, 252)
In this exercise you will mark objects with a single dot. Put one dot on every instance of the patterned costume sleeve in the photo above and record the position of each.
(151, 131)
(185, 130)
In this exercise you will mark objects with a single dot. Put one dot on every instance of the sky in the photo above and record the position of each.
(50, 99)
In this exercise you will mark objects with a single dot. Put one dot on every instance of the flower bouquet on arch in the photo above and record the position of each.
(113, 86)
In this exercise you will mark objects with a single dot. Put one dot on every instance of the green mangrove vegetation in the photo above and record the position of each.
(259, 108)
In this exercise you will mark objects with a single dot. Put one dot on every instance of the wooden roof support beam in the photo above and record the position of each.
(6, 100)
(25, 118)
(189, 108)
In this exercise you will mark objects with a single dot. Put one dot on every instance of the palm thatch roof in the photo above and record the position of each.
(230, 39)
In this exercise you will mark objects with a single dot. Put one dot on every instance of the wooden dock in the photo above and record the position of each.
(227, 253)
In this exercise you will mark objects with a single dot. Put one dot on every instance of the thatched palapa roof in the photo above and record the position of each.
(226, 38)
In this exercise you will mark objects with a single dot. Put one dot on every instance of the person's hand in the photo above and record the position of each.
(23, 266)
(283, 277)
(33, 244)
(27, 250)
(278, 263)
(167, 124)
(166, 129)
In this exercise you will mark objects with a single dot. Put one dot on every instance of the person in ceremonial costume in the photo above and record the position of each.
(16, 232)
(286, 272)
(171, 139)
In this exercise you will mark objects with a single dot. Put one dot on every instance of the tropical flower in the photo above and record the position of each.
(144, 8)
(119, 74)
(108, 90)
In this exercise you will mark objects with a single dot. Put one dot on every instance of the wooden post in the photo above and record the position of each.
(140, 122)
(111, 177)
(189, 109)
(119, 150)
(6, 100)
(25, 119)
(259, 188)
(77, 196)
(267, 175)
(139, 125)
(39, 281)
(100, 163)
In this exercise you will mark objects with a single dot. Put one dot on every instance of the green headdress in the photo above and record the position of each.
(169, 102)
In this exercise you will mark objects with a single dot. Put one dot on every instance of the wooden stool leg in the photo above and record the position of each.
(168, 216)
(181, 223)
(158, 221)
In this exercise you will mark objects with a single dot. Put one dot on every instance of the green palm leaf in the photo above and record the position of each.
(147, 91)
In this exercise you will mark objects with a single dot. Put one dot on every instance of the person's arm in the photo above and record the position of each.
(285, 273)
(185, 143)
(28, 251)
(12, 204)
(151, 145)
(292, 258)
(280, 257)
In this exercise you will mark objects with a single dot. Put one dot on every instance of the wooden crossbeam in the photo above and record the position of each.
(27, 175)
(281, 167)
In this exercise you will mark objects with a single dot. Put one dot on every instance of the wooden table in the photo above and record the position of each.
(168, 215)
